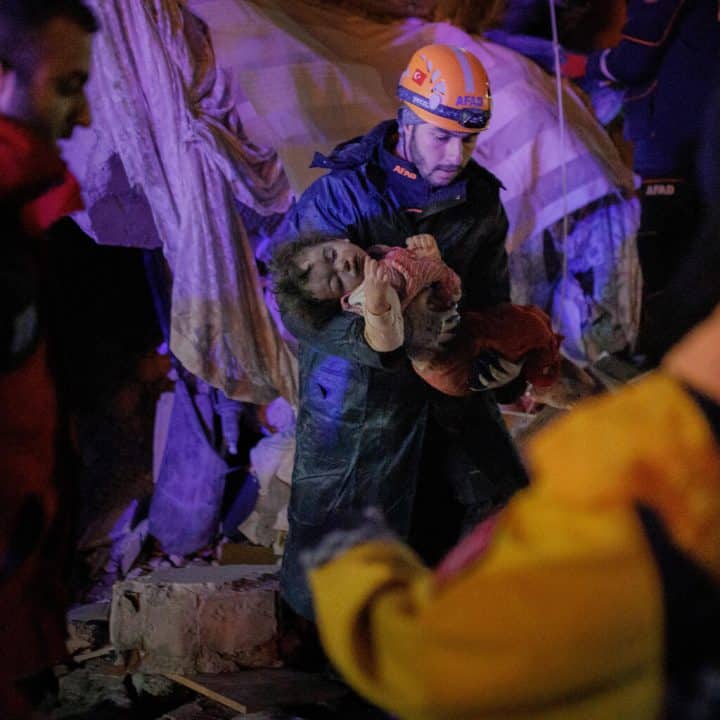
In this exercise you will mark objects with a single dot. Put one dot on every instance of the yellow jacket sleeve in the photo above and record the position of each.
(562, 618)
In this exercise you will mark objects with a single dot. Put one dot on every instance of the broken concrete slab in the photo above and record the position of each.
(86, 688)
(199, 619)
(88, 627)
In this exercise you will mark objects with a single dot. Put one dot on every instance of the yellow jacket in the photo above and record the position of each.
(562, 618)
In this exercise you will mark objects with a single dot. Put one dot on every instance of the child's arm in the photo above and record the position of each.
(377, 287)
(421, 265)
(384, 326)
(423, 246)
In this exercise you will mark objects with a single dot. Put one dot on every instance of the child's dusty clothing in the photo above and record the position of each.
(410, 271)
(514, 331)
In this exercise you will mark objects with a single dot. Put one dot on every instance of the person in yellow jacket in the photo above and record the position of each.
(562, 616)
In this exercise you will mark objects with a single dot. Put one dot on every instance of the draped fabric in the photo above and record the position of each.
(164, 108)
(312, 75)
(298, 77)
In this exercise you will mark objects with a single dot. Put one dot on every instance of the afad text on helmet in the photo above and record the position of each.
(470, 100)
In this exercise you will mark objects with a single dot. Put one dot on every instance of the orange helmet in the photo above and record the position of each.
(448, 87)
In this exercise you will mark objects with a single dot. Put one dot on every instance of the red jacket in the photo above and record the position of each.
(35, 191)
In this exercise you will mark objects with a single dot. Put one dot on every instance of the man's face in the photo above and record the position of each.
(50, 96)
(439, 155)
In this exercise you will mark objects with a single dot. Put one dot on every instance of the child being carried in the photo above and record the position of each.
(316, 276)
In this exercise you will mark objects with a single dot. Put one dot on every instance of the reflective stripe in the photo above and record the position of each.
(467, 70)
(604, 68)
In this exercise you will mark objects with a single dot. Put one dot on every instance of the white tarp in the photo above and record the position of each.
(161, 106)
(302, 77)
(309, 76)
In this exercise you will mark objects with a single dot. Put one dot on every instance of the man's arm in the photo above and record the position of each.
(568, 577)
(343, 336)
(637, 57)
(327, 207)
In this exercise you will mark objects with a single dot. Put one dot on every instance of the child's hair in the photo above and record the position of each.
(289, 282)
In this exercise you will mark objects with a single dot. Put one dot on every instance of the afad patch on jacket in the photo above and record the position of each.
(409, 174)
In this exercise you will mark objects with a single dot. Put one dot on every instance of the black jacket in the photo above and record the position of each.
(363, 418)
(667, 61)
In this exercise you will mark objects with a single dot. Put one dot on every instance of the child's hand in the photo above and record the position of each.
(424, 246)
(377, 287)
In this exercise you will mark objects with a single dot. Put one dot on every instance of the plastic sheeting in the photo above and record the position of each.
(161, 106)
(302, 77)
(307, 77)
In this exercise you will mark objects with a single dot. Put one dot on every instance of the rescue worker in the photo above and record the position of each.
(44, 65)
(369, 431)
(568, 613)
(666, 63)
(597, 595)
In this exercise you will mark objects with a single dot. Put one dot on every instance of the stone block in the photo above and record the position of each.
(198, 619)
(88, 626)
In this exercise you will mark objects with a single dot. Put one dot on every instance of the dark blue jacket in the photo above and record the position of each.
(363, 415)
(668, 62)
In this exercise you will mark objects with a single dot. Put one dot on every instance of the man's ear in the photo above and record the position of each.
(404, 135)
(8, 86)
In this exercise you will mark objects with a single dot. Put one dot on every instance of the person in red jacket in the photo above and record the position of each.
(44, 65)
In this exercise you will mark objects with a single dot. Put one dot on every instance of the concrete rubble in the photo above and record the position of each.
(88, 627)
(198, 619)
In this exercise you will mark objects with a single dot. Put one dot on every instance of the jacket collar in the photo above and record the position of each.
(368, 150)
(412, 191)
(357, 151)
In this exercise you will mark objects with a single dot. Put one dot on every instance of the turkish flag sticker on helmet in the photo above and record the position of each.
(418, 76)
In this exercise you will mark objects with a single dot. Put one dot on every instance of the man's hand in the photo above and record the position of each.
(377, 287)
(491, 371)
(427, 328)
(423, 246)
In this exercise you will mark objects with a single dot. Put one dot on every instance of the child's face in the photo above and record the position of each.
(336, 268)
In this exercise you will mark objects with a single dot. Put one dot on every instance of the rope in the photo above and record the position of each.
(563, 168)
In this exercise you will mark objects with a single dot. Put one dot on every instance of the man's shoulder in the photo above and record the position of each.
(339, 185)
(353, 170)
(480, 177)
(482, 189)
(355, 153)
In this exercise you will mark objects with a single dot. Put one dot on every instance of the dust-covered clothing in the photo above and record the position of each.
(515, 332)
(369, 430)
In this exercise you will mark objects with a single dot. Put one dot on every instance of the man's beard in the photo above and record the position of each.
(425, 170)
